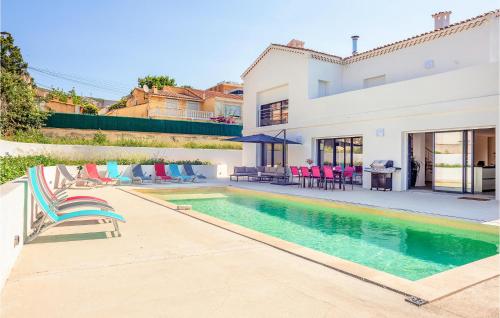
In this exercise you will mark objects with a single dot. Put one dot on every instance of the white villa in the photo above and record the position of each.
(432, 98)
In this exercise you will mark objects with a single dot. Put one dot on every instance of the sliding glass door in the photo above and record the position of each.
(341, 151)
(453, 161)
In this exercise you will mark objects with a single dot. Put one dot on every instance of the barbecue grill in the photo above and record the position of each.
(381, 174)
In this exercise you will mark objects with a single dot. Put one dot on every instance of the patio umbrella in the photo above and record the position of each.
(266, 139)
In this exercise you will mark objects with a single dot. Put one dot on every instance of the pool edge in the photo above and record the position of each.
(429, 289)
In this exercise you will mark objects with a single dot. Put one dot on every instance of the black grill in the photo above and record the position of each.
(381, 174)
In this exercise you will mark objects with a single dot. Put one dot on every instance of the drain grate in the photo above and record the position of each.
(474, 199)
(415, 300)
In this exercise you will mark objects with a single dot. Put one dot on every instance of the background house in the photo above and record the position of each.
(180, 103)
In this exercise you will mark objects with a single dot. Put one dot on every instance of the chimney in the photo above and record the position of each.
(441, 19)
(155, 90)
(296, 44)
(355, 44)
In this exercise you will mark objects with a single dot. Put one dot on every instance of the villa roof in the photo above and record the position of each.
(384, 49)
(187, 93)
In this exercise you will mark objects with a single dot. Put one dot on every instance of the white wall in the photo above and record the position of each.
(464, 98)
(13, 207)
(229, 158)
(459, 50)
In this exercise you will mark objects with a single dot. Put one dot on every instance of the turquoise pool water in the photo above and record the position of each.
(407, 248)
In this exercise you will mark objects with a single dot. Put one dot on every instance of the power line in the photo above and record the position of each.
(104, 85)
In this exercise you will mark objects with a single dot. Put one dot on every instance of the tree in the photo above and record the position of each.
(158, 81)
(12, 59)
(18, 109)
(122, 103)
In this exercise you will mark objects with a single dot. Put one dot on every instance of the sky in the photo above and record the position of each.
(103, 46)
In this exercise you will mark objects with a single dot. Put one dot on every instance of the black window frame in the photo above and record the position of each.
(280, 106)
(333, 142)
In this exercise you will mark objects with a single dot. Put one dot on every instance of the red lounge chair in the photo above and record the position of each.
(316, 175)
(328, 176)
(160, 172)
(67, 199)
(304, 171)
(92, 172)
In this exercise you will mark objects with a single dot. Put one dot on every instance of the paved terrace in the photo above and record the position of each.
(167, 264)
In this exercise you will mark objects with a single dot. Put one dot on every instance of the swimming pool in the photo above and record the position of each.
(403, 244)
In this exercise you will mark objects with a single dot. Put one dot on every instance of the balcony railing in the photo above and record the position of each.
(180, 113)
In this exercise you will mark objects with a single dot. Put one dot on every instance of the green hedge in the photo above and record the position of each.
(82, 121)
(15, 167)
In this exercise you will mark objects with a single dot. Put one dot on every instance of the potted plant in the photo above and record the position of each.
(415, 168)
(309, 162)
(79, 174)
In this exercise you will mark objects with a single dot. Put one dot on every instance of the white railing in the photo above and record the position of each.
(180, 113)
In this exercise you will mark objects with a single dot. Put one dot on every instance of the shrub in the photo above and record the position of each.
(120, 104)
(12, 167)
(99, 138)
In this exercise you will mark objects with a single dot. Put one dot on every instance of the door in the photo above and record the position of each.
(449, 161)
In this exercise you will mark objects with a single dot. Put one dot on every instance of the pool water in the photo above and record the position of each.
(408, 247)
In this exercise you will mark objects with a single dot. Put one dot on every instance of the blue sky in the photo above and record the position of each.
(199, 43)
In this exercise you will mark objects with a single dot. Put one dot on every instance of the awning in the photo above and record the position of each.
(263, 139)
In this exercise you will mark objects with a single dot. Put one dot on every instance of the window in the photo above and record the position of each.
(341, 151)
(323, 88)
(236, 92)
(172, 104)
(193, 105)
(232, 110)
(274, 113)
(374, 81)
(272, 155)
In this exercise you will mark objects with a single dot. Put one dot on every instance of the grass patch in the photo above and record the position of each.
(14, 167)
(99, 139)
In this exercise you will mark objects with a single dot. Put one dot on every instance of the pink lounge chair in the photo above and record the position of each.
(160, 172)
(92, 172)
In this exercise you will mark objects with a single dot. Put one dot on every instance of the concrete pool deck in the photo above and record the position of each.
(427, 202)
(168, 264)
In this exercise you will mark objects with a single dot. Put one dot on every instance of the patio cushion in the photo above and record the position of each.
(238, 170)
(251, 170)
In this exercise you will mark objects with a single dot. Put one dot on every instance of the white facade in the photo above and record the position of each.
(443, 80)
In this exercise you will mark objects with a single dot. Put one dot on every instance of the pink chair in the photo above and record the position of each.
(294, 170)
(328, 176)
(316, 175)
(348, 174)
(358, 173)
(337, 176)
(304, 172)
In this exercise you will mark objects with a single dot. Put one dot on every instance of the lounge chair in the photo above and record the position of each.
(190, 172)
(61, 201)
(176, 173)
(69, 180)
(92, 172)
(50, 217)
(113, 173)
(160, 173)
(138, 174)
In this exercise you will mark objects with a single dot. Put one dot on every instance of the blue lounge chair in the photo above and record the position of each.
(113, 173)
(176, 174)
(137, 173)
(190, 172)
(49, 214)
